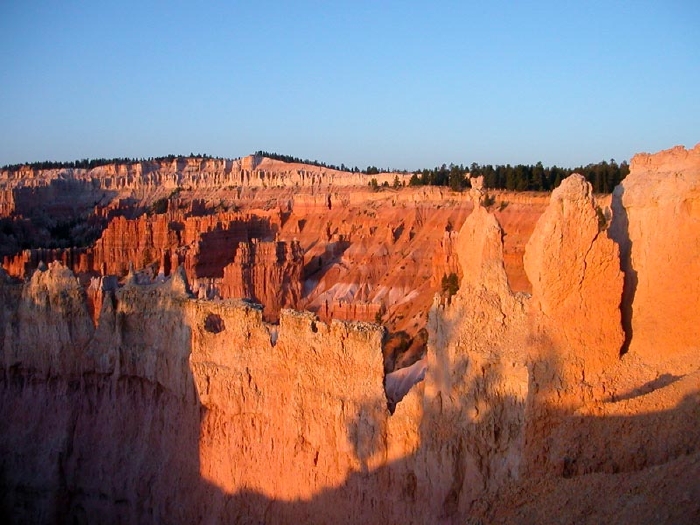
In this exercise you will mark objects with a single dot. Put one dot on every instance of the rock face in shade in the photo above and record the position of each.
(236, 411)
(657, 224)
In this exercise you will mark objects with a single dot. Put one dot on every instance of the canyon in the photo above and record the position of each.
(259, 342)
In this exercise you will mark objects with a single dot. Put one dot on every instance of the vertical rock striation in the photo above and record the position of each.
(267, 272)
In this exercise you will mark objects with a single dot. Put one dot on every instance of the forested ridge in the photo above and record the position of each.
(297, 160)
(603, 176)
(89, 164)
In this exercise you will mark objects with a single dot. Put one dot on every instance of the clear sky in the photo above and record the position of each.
(399, 84)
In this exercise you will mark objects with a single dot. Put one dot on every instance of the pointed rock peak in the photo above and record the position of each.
(574, 188)
(178, 282)
(575, 276)
(477, 192)
(95, 283)
(55, 271)
(130, 276)
(108, 305)
(480, 251)
(160, 278)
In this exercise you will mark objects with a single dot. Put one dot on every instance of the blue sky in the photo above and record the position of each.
(405, 84)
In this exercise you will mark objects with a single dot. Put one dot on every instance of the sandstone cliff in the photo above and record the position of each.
(193, 173)
(536, 375)
(169, 382)
(173, 409)
(576, 280)
(657, 224)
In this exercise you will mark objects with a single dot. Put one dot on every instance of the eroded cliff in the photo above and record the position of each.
(175, 409)
(657, 225)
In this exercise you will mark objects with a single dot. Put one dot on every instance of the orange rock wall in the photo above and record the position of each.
(656, 221)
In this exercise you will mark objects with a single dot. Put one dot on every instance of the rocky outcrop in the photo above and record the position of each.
(23, 264)
(525, 379)
(211, 242)
(476, 384)
(576, 281)
(7, 203)
(656, 221)
(96, 293)
(445, 258)
(140, 242)
(350, 311)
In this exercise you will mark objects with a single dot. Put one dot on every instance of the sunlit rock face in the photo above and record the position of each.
(197, 173)
(574, 268)
(138, 403)
(657, 224)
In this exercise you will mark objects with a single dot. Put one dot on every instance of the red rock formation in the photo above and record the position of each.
(350, 311)
(96, 293)
(195, 173)
(23, 264)
(517, 214)
(524, 366)
(361, 247)
(7, 203)
(445, 259)
(213, 240)
(141, 242)
(267, 272)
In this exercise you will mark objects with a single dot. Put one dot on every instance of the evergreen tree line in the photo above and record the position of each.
(369, 170)
(94, 163)
(603, 176)
(297, 160)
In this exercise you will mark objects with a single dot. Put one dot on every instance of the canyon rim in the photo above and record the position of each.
(255, 341)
